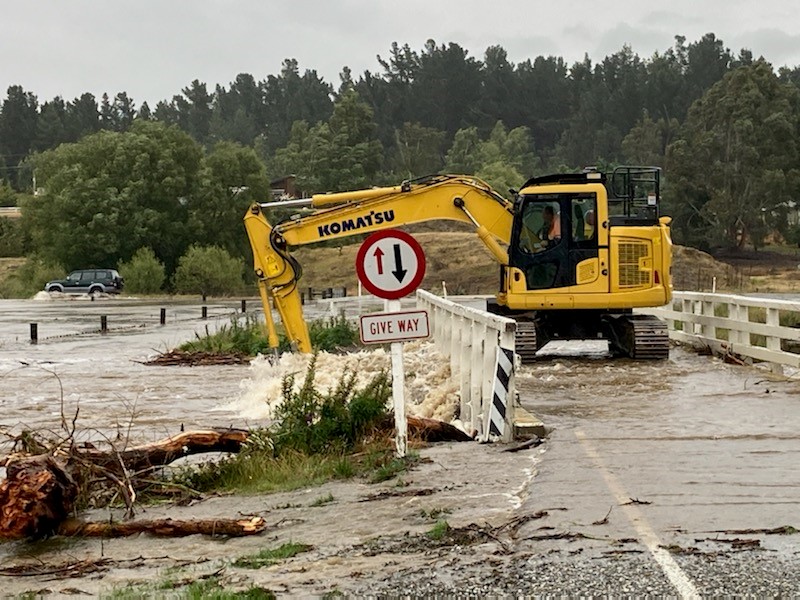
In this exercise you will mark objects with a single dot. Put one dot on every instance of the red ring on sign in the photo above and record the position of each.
(362, 255)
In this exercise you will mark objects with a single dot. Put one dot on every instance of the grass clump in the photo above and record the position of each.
(271, 556)
(245, 338)
(249, 337)
(389, 469)
(208, 588)
(323, 500)
(333, 334)
(439, 531)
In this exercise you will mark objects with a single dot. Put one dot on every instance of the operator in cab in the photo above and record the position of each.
(552, 226)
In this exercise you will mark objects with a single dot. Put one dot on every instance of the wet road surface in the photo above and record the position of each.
(662, 478)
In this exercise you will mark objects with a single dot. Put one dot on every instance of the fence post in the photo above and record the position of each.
(34, 333)
(464, 368)
(163, 316)
(490, 340)
(103, 324)
(455, 350)
(476, 375)
(773, 342)
(244, 306)
(204, 312)
(734, 335)
(707, 310)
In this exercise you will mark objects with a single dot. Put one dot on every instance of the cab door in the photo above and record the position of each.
(556, 257)
(584, 261)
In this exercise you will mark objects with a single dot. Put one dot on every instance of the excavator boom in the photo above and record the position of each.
(454, 197)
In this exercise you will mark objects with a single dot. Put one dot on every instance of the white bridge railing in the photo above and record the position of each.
(478, 344)
(744, 326)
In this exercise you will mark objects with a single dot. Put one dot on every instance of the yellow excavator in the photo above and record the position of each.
(577, 252)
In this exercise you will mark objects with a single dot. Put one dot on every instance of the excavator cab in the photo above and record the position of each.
(585, 250)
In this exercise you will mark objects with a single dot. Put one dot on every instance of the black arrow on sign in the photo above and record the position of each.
(399, 272)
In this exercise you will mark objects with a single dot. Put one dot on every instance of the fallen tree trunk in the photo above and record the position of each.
(165, 527)
(163, 452)
(39, 492)
(431, 430)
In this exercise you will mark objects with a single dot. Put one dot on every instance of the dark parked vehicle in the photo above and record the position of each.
(88, 281)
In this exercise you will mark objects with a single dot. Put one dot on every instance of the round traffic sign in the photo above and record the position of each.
(390, 264)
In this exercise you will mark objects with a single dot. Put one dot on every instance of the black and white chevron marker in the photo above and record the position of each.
(504, 371)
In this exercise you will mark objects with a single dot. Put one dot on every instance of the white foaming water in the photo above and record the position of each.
(429, 391)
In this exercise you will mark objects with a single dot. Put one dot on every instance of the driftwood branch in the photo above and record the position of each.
(191, 359)
(165, 527)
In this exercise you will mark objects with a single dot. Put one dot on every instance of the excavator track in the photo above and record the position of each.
(525, 341)
(641, 337)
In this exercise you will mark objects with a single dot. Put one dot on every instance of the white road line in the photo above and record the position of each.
(671, 569)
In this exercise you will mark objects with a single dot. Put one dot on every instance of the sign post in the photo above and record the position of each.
(391, 264)
(398, 391)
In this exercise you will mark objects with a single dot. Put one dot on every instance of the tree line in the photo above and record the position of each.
(116, 177)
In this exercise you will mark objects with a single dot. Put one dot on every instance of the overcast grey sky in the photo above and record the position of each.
(151, 49)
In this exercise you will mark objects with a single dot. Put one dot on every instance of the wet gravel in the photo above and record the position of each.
(746, 575)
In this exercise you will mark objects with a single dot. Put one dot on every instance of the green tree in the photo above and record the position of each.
(290, 97)
(29, 278)
(505, 159)
(446, 87)
(18, 128)
(198, 119)
(50, 128)
(417, 151)
(114, 193)
(464, 154)
(82, 117)
(232, 178)
(734, 168)
(208, 270)
(646, 143)
(144, 273)
(341, 154)
(11, 239)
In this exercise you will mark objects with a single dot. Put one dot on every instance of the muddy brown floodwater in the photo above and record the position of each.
(650, 475)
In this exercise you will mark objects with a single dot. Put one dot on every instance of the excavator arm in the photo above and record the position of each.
(450, 197)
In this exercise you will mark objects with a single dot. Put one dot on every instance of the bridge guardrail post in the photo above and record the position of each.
(773, 341)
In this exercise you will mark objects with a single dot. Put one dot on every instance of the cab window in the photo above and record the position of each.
(541, 226)
(584, 218)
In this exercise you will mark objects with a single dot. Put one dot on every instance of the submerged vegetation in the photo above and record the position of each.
(317, 437)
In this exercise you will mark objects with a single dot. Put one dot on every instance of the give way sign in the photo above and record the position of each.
(390, 264)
